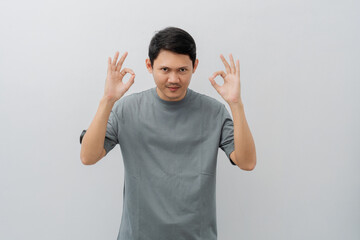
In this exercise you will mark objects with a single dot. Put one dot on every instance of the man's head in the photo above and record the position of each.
(172, 61)
(174, 40)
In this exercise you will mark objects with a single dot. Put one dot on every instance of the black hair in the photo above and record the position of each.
(172, 39)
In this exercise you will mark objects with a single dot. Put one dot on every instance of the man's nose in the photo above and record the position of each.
(173, 77)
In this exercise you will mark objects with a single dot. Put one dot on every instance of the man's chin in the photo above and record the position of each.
(175, 96)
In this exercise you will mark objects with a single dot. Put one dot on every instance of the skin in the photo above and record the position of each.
(175, 70)
(115, 88)
(171, 70)
(244, 155)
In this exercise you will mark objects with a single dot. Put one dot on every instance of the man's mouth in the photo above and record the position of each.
(173, 88)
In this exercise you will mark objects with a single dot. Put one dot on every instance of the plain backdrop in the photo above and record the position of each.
(300, 82)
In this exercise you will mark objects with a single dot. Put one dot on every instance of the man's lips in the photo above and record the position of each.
(173, 88)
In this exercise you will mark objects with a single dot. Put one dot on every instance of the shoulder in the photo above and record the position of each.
(207, 101)
(132, 99)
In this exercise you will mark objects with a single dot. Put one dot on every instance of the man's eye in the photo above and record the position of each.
(164, 69)
(182, 69)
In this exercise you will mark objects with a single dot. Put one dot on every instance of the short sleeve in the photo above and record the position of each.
(227, 133)
(111, 135)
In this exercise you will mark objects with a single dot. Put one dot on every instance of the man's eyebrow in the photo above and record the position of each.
(171, 68)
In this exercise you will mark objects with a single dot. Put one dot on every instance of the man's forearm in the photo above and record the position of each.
(245, 153)
(93, 141)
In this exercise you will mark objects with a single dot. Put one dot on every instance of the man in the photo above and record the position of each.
(169, 137)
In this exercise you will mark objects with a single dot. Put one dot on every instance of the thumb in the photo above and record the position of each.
(214, 84)
(130, 82)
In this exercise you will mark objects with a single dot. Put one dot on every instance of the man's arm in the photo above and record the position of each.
(92, 146)
(244, 155)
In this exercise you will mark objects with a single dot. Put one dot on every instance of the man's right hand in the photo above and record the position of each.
(114, 86)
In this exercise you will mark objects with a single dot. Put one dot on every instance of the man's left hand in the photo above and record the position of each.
(230, 90)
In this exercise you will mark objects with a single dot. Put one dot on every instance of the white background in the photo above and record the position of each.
(300, 85)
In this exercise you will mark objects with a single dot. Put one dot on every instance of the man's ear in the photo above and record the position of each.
(148, 65)
(195, 65)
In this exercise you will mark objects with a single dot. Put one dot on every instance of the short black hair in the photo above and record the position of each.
(172, 39)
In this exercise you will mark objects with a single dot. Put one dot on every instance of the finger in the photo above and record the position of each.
(115, 58)
(127, 70)
(221, 73)
(130, 82)
(227, 66)
(121, 61)
(232, 63)
(109, 63)
(238, 68)
(214, 84)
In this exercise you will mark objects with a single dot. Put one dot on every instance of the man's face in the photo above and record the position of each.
(172, 74)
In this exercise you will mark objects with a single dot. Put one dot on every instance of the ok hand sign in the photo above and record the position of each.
(114, 86)
(230, 90)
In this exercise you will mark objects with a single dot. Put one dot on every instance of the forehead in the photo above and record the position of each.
(172, 60)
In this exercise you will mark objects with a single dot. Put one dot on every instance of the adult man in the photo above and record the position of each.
(169, 137)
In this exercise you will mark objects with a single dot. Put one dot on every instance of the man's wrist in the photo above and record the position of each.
(107, 100)
(237, 105)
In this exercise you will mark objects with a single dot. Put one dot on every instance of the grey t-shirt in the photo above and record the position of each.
(169, 149)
